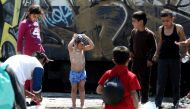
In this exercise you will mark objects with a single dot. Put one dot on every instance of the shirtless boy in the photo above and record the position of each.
(77, 76)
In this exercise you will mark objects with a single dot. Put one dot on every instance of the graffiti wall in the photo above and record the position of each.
(106, 22)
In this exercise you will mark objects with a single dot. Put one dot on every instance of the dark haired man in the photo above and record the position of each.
(168, 57)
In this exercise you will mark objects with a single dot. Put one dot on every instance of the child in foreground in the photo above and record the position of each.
(128, 79)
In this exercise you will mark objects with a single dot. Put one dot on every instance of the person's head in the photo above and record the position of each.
(42, 57)
(79, 42)
(34, 12)
(121, 55)
(167, 18)
(139, 19)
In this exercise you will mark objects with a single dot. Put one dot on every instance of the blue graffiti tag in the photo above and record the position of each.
(59, 16)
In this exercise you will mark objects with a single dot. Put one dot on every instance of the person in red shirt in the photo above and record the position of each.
(129, 80)
(29, 40)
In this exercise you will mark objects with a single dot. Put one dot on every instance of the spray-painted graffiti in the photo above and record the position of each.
(8, 27)
(176, 5)
(107, 22)
(59, 16)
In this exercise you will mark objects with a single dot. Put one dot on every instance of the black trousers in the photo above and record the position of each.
(139, 67)
(20, 101)
(168, 68)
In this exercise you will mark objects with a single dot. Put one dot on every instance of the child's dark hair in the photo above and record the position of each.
(40, 55)
(79, 39)
(34, 9)
(140, 15)
(166, 12)
(121, 54)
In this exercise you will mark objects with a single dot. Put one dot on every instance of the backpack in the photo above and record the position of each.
(7, 96)
(113, 91)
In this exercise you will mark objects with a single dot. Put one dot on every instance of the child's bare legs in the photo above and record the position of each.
(82, 92)
(73, 95)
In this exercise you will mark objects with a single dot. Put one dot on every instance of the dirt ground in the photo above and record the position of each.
(93, 101)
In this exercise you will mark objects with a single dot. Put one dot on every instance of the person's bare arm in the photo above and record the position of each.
(183, 43)
(159, 43)
(181, 33)
(99, 89)
(70, 45)
(35, 97)
(188, 41)
(90, 45)
(182, 37)
(135, 99)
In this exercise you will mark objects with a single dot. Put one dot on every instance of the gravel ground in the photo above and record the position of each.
(93, 101)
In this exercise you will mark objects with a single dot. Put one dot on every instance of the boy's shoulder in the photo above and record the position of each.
(179, 27)
(160, 27)
(126, 72)
(149, 31)
(131, 74)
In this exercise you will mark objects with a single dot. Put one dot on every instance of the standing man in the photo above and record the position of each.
(77, 77)
(168, 56)
(142, 47)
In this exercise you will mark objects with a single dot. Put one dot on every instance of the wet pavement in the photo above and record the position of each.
(93, 101)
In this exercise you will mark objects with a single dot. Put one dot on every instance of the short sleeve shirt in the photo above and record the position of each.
(129, 81)
(23, 66)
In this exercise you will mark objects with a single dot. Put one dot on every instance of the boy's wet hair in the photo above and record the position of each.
(78, 39)
(140, 15)
(166, 12)
(121, 54)
(34, 9)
